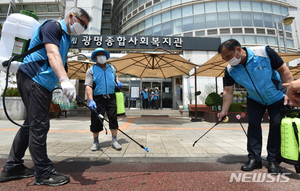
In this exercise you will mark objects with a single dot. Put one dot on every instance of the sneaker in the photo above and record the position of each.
(52, 178)
(116, 145)
(17, 173)
(95, 146)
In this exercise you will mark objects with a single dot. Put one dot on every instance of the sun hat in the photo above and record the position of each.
(100, 50)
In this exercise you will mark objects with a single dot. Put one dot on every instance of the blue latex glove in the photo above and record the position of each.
(92, 104)
(119, 84)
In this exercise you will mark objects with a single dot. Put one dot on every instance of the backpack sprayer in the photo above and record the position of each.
(16, 34)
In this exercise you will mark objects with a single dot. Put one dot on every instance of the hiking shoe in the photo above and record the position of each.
(18, 172)
(52, 179)
(116, 145)
(95, 146)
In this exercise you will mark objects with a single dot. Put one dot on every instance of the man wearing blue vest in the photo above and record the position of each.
(261, 71)
(36, 78)
(144, 96)
(100, 83)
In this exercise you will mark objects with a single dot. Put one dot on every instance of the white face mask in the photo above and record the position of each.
(234, 61)
(76, 28)
(101, 59)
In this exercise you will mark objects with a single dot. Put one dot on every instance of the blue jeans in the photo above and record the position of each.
(255, 113)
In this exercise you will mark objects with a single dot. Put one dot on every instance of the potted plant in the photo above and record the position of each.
(14, 105)
(191, 96)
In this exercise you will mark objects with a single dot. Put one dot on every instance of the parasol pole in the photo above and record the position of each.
(196, 119)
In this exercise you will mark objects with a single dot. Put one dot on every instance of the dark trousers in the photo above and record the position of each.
(145, 103)
(107, 105)
(255, 113)
(152, 103)
(156, 103)
(37, 102)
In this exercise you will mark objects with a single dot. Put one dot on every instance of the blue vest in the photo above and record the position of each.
(36, 65)
(156, 97)
(261, 81)
(145, 95)
(104, 80)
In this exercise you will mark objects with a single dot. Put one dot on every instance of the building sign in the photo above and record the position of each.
(145, 42)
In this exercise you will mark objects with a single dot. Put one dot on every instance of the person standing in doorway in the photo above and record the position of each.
(144, 96)
(156, 98)
(152, 99)
(100, 83)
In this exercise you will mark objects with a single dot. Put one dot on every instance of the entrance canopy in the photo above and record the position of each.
(215, 67)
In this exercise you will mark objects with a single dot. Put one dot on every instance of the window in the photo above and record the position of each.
(250, 39)
(199, 8)
(223, 19)
(157, 30)
(261, 40)
(30, 7)
(284, 11)
(235, 19)
(156, 19)
(239, 38)
(135, 4)
(176, 13)
(148, 11)
(40, 8)
(269, 22)
(222, 6)
(141, 26)
(177, 26)
(267, 7)
(148, 23)
(246, 6)
(52, 8)
(234, 5)
(187, 11)
(19, 8)
(256, 6)
(141, 2)
(224, 38)
(165, 4)
(210, 7)
(148, 32)
(200, 33)
(157, 7)
(276, 9)
(272, 40)
(247, 19)
(129, 8)
(290, 43)
(175, 2)
(211, 20)
(166, 29)
(166, 16)
(258, 20)
(199, 22)
(187, 24)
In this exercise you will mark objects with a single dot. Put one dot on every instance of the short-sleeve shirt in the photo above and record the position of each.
(51, 32)
(276, 62)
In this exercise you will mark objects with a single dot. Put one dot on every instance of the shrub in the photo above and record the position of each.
(236, 107)
(12, 92)
(213, 99)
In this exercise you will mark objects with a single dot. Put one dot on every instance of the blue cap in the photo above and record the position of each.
(100, 50)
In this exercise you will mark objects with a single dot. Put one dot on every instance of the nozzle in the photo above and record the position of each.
(146, 148)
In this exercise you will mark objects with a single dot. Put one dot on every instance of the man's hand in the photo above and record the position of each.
(221, 115)
(92, 104)
(119, 84)
(68, 88)
(292, 93)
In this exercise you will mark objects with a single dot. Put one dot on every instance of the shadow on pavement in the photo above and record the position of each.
(76, 166)
(233, 159)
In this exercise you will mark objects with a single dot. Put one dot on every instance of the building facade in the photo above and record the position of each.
(252, 23)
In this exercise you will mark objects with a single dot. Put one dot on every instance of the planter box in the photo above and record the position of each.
(15, 108)
(212, 117)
